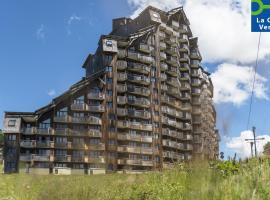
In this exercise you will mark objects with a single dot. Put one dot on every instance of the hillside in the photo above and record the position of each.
(223, 180)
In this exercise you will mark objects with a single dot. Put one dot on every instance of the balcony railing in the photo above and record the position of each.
(194, 63)
(99, 159)
(42, 158)
(78, 106)
(195, 55)
(62, 119)
(171, 112)
(196, 82)
(173, 155)
(185, 86)
(173, 81)
(173, 144)
(122, 124)
(45, 144)
(163, 77)
(196, 91)
(121, 76)
(139, 114)
(137, 138)
(137, 150)
(26, 157)
(172, 123)
(184, 67)
(62, 158)
(139, 90)
(61, 131)
(97, 147)
(183, 38)
(162, 35)
(99, 108)
(185, 96)
(145, 48)
(163, 56)
(163, 66)
(184, 57)
(44, 131)
(121, 64)
(139, 79)
(171, 41)
(171, 101)
(183, 28)
(172, 71)
(173, 61)
(142, 102)
(171, 50)
(141, 68)
(184, 48)
(63, 145)
(87, 120)
(121, 88)
(140, 126)
(134, 162)
(78, 158)
(96, 96)
(28, 143)
(171, 133)
(138, 57)
(185, 76)
(29, 131)
(121, 100)
(122, 112)
(162, 46)
(175, 25)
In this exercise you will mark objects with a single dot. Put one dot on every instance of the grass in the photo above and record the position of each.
(223, 180)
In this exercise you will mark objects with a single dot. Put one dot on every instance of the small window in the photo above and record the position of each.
(109, 43)
(108, 69)
(12, 123)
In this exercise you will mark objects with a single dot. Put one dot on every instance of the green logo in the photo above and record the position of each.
(260, 8)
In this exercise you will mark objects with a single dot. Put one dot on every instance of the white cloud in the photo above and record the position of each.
(242, 147)
(223, 27)
(73, 18)
(233, 83)
(51, 93)
(40, 33)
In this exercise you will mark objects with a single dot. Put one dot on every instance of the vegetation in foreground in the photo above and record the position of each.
(220, 180)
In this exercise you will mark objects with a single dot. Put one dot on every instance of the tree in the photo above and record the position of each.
(266, 149)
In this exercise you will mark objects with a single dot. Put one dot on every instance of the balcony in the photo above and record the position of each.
(136, 150)
(140, 126)
(185, 96)
(183, 38)
(99, 108)
(145, 48)
(122, 112)
(96, 96)
(186, 127)
(184, 67)
(196, 111)
(183, 28)
(137, 138)
(172, 61)
(173, 91)
(171, 41)
(171, 112)
(94, 133)
(173, 155)
(163, 77)
(121, 53)
(186, 106)
(62, 119)
(172, 71)
(61, 131)
(26, 157)
(78, 107)
(188, 137)
(173, 81)
(122, 124)
(137, 67)
(169, 122)
(188, 147)
(62, 158)
(45, 144)
(186, 116)
(164, 87)
(162, 56)
(28, 143)
(136, 162)
(141, 102)
(162, 46)
(163, 66)
(195, 73)
(87, 120)
(171, 133)
(196, 101)
(121, 77)
(173, 144)
(29, 131)
(185, 86)
(196, 91)
(184, 48)
(139, 90)
(184, 57)
(78, 158)
(171, 101)
(184, 77)
(97, 147)
(122, 43)
(99, 159)
(171, 50)
(62, 145)
(195, 55)
(139, 114)
(42, 158)
(138, 57)
(79, 145)
(139, 79)
(196, 82)
(121, 64)
(121, 88)
(175, 25)
(44, 131)
(194, 63)
(121, 100)
(162, 35)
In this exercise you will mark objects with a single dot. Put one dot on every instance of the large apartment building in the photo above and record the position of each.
(145, 103)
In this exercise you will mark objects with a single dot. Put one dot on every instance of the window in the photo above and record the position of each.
(60, 152)
(78, 166)
(109, 92)
(109, 105)
(108, 69)
(79, 100)
(12, 123)
(94, 141)
(11, 137)
(94, 154)
(61, 140)
(109, 43)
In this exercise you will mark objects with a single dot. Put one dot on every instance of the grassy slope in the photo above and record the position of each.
(251, 182)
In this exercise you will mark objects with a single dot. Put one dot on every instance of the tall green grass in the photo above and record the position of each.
(196, 181)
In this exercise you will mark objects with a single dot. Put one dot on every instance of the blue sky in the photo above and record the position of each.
(44, 44)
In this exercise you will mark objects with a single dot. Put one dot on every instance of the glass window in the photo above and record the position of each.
(12, 123)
